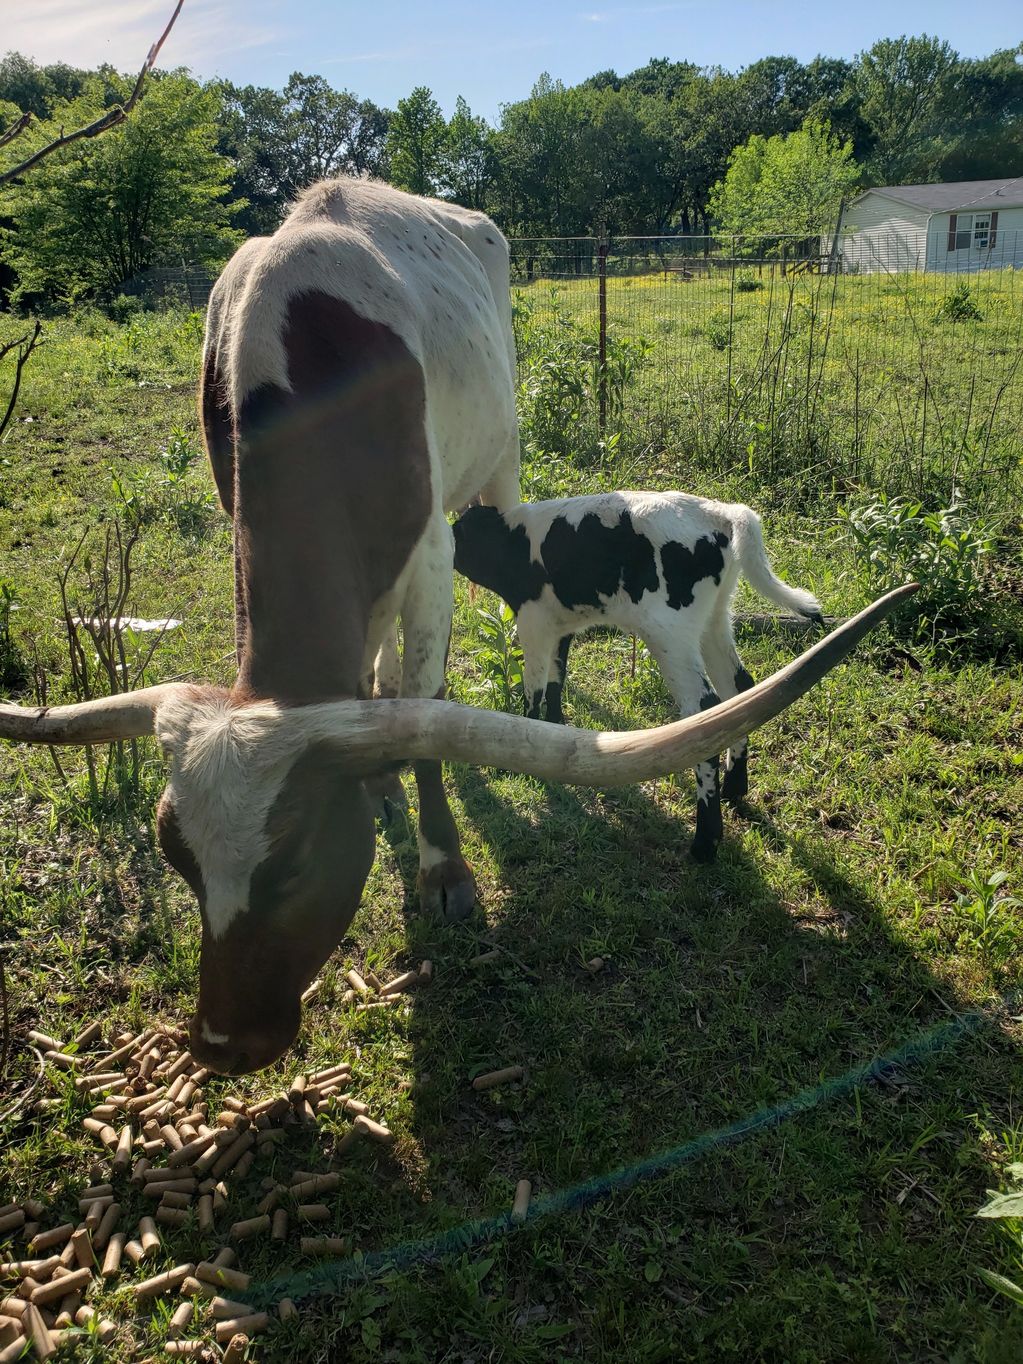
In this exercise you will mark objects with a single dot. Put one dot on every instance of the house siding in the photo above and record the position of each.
(879, 234)
(883, 234)
(1007, 250)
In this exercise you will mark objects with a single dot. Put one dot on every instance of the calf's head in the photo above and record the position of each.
(496, 555)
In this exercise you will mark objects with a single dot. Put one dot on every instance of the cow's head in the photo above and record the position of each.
(275, 839)
(266, 815)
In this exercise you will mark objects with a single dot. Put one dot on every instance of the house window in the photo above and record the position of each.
(976, 230)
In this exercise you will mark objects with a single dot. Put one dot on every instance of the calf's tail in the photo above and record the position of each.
(757, 570)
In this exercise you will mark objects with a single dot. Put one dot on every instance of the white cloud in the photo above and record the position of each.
(121, 32)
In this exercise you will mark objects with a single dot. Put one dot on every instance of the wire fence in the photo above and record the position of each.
(811, 365)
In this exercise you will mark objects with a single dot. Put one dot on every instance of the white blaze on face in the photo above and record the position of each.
(215, 1039)
(228, 765)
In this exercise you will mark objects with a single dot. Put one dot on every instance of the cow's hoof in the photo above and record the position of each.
(704, 850)
(448, 890)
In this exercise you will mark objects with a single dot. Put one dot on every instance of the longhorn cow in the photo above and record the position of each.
(357, 383)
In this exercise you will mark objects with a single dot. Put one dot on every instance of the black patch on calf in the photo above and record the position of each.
(743, 679)
(489, 552)
(533, 704)
(684, 567)
(591, 560)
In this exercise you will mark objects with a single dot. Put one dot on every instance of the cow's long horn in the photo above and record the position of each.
(100, 721)
(391, 730)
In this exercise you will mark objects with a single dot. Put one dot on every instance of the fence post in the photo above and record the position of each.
(602, 342)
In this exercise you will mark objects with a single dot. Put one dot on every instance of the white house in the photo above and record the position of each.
(966, 226)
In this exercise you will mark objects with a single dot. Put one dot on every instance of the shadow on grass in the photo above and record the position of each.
(722, 995)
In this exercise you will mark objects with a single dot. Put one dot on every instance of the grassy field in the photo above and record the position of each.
(845, 923)
(804, 385)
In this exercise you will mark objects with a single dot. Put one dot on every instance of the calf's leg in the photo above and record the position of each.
(556, 682)
(537, 638)
(728, 676)
(686, 675)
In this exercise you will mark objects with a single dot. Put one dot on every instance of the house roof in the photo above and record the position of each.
(965, 194)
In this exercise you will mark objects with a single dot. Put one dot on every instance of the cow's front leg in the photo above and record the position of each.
(446, 883)
(383, 679)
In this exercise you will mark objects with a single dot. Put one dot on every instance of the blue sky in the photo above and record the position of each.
(489, 53)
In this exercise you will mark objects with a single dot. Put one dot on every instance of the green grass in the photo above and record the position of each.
(807, 387)
(828, 935)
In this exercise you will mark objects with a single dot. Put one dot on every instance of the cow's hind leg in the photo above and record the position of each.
(686, 675)
(446, 884)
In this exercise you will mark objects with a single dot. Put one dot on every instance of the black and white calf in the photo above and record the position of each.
(663, 566)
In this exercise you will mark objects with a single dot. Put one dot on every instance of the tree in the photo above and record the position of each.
(152, 191)
(253, 134)
(416, 142)
(282, 141)
(989, 141)
(34, 88)
(782, 185)
(469, 158)
(906, 89)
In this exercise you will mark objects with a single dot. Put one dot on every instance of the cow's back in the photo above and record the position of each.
(433, 274)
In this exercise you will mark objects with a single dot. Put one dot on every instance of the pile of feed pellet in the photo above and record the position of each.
(160, 1145)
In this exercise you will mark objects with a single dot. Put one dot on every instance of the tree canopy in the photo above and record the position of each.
(670, 147)
(791, 184)
(151, 191)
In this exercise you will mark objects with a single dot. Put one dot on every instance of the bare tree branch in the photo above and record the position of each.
(24, 347)
(16, 129)
(110, 119)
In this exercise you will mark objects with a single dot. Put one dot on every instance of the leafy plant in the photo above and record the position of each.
(177, 457)
(895, 540)
(746, 282)
(718, 328)
(1007, 1208)
(958, 306)
(983, 910)
(559, 396)
(499, 660)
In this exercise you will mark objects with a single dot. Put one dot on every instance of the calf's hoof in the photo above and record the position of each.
(447, 890)
(704, 850)
(735, 785)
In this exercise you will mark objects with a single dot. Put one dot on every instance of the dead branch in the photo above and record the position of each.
(110, 119)
(24, 347)
(15, 130)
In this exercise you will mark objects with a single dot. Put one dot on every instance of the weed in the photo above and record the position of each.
(559, 393)
(13, 672)
(718, 328)
(499, 660)
(178, 456)
(985, 918)
(1007, 1210)
(958, 306)
(895, 540)
(746, 281)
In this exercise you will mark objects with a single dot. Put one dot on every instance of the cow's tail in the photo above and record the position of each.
(757, 570)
